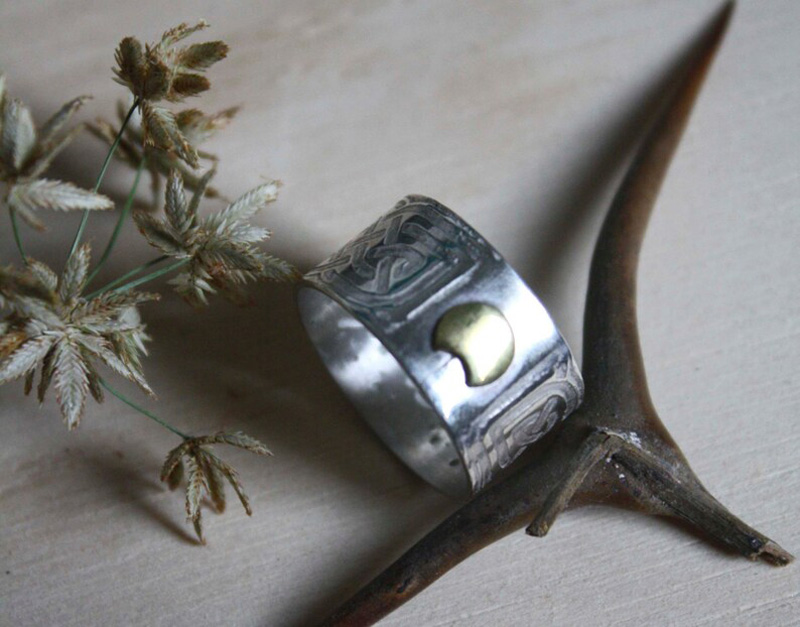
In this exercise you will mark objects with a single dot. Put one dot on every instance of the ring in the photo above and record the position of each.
(440, 345)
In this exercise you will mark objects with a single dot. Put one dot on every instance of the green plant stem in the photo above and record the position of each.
(142, 410)
(17, 236)
(153, 275)
(120, 280)
(120, 221)
(111, 151)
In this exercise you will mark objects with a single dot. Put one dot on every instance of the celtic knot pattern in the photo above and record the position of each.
(525, 421)
(402, 260)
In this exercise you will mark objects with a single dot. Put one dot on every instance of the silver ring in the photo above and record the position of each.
(440, 345)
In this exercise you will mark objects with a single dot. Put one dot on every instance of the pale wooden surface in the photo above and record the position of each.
(518, 116)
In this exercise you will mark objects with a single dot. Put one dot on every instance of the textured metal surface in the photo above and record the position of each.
(394, 282)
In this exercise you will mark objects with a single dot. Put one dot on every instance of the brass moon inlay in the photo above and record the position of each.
(480, 337)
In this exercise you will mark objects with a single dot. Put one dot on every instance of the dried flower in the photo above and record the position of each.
(193, 124)
(53, 327)
(206, 473)
(219, 249)
(163, 71)
(50, 326)
(25, 154)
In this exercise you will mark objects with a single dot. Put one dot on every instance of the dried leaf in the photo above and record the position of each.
(276, 269)
(194, 492)
(18, 135)
(37, 309)
(199, 192)
(103, 314)
(214, 480)
(175, 476)
(175, 205)
(202, 56)
(192, 287)
(71, 382)
(94, 380)
(174, 459)
(100, 347)
(233, 478)
(161, 130)
(187, 84)
(159, 126)
(198, 127)
(25, 358)
(230, 256)
(244, 208)
(51, 129)
(47, 194)
(157, 80)
(43, 274)
(241, 440)
(131, 68)
(129, 345)
(158, 233)
(76, 271)
(29, 381)
(11, 338)
(250, 233)
(46, 376)
(179, 32)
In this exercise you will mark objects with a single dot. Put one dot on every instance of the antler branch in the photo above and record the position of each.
(617, 422)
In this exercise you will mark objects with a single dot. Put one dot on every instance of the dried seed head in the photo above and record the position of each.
(51, 326)
(27, 152)
(160, 71)
(221, 248)
(206, 473)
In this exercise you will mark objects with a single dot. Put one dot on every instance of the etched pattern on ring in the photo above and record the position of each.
(397, 278)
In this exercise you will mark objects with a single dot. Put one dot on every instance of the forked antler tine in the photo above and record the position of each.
(618, 403)
(617, 396)
(568, 462)
(656, 479)
(613, 369)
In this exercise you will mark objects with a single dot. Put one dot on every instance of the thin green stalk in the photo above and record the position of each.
(153, 275)
(111, 151)
(126, 209)
(142, 410)
(131, 273)
(17, 236)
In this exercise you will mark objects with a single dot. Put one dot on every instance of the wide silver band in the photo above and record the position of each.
(375, 312)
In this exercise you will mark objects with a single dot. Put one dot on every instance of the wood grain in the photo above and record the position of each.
(519, 117)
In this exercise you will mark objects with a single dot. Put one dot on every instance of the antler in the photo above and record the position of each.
(616, 429)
